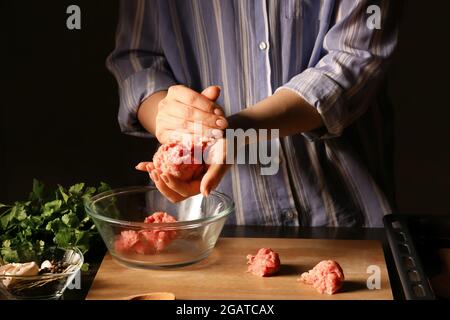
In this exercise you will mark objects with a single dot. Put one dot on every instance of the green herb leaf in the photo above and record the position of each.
(38, 190)
(64, 238)
(70, 219)
(6, 219)
(51, 207)
(103, 187)
(9, 255)
(20, 213)
(82, 240)
(41, 244)
(54, 225)
(6, 244)
(63, 193)
(56, 219)
(76, 189)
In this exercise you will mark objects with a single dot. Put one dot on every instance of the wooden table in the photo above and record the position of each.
(223, 274)
(273, 232)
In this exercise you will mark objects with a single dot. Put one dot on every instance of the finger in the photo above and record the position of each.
(212, 178)
(216, 153)
(186, 189)
(219, 112)
(150, 166)
(212, 93)
(189, 113)
(170, 194)
(191, 98)
(149, 169)
(142, 166)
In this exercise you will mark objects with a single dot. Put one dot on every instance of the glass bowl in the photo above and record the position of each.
(119, 216)
(46, 286)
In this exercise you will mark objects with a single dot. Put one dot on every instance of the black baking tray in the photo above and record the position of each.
(414, 241)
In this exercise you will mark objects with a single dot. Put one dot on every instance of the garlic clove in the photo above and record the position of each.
(46, 265)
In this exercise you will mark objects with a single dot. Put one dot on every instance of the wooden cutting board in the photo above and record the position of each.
(223, 274)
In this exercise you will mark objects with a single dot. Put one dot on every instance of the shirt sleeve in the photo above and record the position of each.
(138, 62)
(354, 58)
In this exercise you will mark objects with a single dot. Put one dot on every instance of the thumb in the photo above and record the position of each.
(212, 93)
(212, 178)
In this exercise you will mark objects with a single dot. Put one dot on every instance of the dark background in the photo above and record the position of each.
(58, 103)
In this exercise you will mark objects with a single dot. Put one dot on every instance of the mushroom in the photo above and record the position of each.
(18, 269)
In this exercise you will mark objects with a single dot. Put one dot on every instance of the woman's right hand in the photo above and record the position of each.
(185, 111)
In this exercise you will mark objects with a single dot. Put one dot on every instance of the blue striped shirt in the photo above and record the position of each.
(321, 49)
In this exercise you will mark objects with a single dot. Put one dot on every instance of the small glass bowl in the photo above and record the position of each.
(121, 212)
(46, 286)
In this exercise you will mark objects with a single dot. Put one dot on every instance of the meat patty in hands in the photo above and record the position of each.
(182, 158)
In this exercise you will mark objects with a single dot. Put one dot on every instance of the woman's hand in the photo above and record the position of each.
(185, 111)
(166, 127)
(176, 190)
(171, 187)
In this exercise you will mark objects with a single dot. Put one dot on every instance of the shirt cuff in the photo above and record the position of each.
(323, 93)
(133, 91)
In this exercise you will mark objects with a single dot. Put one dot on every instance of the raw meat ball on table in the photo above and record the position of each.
(327, 277)
(265, 263)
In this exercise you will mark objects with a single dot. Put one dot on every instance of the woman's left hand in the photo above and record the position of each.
(176, 190)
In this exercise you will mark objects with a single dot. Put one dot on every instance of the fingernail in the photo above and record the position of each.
(218, 112)
(216, 133)
(155, 176)
(221, 123)
(165, 178)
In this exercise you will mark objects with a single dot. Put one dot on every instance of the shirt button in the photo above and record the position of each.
(262, 45)
(289, 214)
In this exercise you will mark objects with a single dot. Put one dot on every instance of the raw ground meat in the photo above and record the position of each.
(182, 158)
(146, 241)
(327, 277)
(265, 263)
(160, 217)
(159, 239)
(126, 241)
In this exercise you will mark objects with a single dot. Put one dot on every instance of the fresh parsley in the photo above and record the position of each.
(45, 220)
